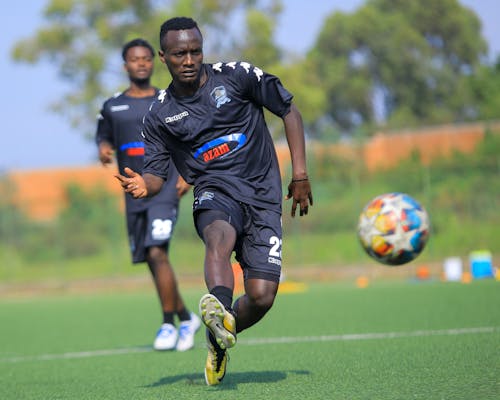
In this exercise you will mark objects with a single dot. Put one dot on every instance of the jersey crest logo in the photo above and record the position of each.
(219, 95)
(220, 147)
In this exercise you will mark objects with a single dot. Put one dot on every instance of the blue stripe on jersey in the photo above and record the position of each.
(131, 145)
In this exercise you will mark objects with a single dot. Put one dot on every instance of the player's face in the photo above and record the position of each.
(139, 63)
(183, 55)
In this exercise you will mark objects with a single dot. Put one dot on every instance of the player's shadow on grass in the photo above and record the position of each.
(231, 381)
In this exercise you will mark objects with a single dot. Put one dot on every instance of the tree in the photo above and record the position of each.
(259, 46)
(485, 85)
(83, 39)
(260, 49)
(399, 62)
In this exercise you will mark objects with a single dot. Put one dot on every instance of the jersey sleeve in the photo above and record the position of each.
(104, 132)
(264, 89)
(156, 156)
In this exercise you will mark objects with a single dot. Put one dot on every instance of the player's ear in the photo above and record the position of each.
(161, 54)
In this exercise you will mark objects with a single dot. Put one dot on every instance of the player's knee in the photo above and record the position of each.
(157, 254)
(262, 299)
(219, 236)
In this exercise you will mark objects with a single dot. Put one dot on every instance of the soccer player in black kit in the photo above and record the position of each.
(209, 123)
(150, 222)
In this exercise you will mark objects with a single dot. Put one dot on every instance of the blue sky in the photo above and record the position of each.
(35, 138)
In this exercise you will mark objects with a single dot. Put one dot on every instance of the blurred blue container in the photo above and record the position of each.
(481, 265)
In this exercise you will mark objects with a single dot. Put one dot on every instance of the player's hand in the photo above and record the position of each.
(133, 184)
(182, 187)
(300, 191)
(106, 153)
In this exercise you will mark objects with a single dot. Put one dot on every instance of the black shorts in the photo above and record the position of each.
(259, 233)
(151, 227)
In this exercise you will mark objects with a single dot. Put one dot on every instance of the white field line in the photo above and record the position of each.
(265, 341)
(371, 336)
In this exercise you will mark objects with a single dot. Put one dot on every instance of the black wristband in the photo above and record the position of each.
(300, 180)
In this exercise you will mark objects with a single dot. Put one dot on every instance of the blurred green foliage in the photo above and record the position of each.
(88, 224)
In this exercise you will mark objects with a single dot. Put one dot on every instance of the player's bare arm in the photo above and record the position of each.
(299, 188)
(139, 186)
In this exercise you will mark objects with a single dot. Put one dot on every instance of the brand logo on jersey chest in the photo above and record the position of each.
(176, 117)
(121, 107)
(220, 147)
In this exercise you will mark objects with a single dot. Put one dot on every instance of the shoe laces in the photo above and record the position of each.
(166, 330)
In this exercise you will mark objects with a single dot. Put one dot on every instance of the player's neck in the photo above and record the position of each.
(140, 90)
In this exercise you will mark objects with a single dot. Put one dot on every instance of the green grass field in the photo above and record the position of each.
(391, 340)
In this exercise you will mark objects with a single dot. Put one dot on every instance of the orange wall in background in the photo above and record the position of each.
(41, 193)
(386, 150)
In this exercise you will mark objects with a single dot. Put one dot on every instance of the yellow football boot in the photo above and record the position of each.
(221, 322)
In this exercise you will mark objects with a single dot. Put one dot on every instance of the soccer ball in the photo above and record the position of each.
(393, 228)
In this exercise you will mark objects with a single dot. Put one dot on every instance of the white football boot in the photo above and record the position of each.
(187, 330)
(166, 338)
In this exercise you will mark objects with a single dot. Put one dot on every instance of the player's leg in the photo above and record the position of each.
(219, 237)
(166, 288)
(161, 221)
(217, 220)
(171, 304)
(143, 250)
(255, 303)
(164, 279)
(259, 254)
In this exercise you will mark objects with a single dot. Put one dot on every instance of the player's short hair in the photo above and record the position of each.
(136, 43)
(177, 24)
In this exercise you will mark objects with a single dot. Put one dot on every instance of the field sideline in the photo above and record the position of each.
(391, 340)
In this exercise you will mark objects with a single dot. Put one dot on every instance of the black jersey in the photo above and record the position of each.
(218, 138)
(120, 123)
